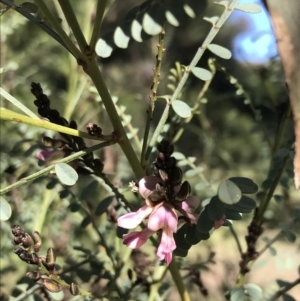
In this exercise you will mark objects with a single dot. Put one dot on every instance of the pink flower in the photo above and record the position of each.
(162, 214)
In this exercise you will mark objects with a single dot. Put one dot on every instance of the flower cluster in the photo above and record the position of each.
(167, 200)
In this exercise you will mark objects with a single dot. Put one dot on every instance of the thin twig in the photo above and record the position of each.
(283, 290)
(236, 239)
(49, 168)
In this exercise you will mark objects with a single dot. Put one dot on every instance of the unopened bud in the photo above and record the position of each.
(74, 289)
(34, 275)
(50, 259)
(52, 286)
(37, 240)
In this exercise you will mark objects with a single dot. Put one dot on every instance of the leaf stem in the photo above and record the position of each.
(41, 123)
(18, 104)
(101, 4)
(153, 96)
(93, 70)
(73, 23)
(55, 24)
(236, 239)
(49, 168)
(178, 281)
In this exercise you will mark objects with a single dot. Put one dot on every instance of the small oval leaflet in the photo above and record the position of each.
(150, 26)
(66, 174)
(103, 205)
(181, 108)
(229, 192)
(30, 7)
(220, 51)
(5, 209)
(212, 20)
(120, 38)
(253, 291)
(252, 8)
(103, 49)
(202, 73)
(237, 294)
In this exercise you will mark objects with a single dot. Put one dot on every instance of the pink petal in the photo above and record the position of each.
(136, 239)
(163, 216)
(133, 219)
(51, 155)
(190, 204)
(167, 246)
(147, 185)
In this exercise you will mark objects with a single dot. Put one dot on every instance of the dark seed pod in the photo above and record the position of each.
(74, 289)
(52, 286)
(34, 258)
(176, 176)
(50, 259)
(17, 231)
(19, 250)
(184, 191)
(34, 275)
(26, 241)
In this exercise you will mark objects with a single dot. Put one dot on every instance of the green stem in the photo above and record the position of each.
(55, 24)
(101, 4)
(153, 96)
(264, 204)
(49, 168)
(96, 76)
(158, 129)
(173, 268)
(73, 23)
(41, 123)
(18, 104)
(36, 21)
(236, 239)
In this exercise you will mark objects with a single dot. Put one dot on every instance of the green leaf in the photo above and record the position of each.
(180, 252)
(202, 73)
(5, 209)
(252, 8)
(229, 192)
(204, 223)
(246, 203)
(245, 184)
(273, 251)
(282, 283)
(30, 7)
(233, 215)
(253, 291)
(89, 190)
(290, 235)
(191, 237)
(66, 174)
(150, 25)
(103, 205)
(120, 38)
(181, 108)
(86, 221)
(216, 209)
(220, 51)
(212, 20)
(136, 30)
(171, 18)
(287, 297)
(103, 49)
(237, 294)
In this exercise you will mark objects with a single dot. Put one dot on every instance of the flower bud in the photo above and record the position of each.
(50, 259)
(37, 241)
(74, 289)
(52, 286)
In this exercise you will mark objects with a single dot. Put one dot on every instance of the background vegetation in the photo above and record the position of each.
(235, 132)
